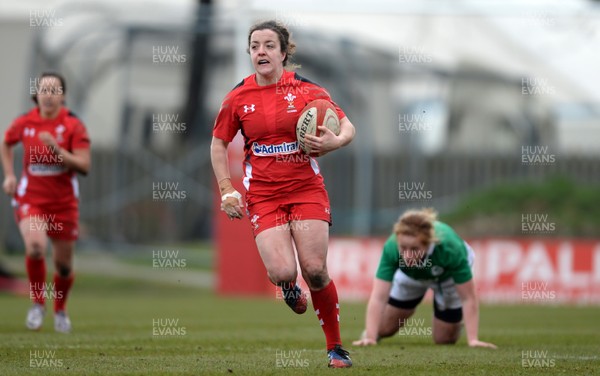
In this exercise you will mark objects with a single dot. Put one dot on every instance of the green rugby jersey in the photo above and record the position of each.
(447, 260)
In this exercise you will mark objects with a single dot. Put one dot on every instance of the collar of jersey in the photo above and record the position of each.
(283, 76)
(430, 249)
(38, 118)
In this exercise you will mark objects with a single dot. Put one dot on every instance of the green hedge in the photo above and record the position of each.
(555, 207)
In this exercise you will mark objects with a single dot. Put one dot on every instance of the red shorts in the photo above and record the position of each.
(59, 222)
(281, 210)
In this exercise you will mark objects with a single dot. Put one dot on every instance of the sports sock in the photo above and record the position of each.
(36, 271)
(62, 286)
(327, 308)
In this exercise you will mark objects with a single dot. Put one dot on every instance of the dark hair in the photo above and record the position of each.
(58, 76)
(285, 43)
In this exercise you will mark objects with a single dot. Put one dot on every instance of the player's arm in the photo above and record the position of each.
(377, 302)
(347, 132)
(78, 160)
(231, 200)
(468, 297)
(10, 181)
(382, 284)
(328, 142)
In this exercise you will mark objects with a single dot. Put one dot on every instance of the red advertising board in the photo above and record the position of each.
(240, 269)
(536, 271)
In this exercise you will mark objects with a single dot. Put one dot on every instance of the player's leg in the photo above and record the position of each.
(63, 233)
(311, 238)
(63, 280)
(447, 309)
(273, 239)
(444, 332)
(405, 295)
(276, 251)
(33, 231)
(274, 243)
(310, 218)
(394, 318)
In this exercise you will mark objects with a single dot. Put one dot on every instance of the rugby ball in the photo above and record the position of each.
(316, 113)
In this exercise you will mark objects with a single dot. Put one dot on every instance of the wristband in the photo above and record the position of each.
(235, 194)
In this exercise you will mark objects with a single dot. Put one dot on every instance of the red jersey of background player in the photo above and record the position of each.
(267, 116)
(45, 180)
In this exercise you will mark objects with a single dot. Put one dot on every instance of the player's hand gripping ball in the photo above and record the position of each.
(317, 113)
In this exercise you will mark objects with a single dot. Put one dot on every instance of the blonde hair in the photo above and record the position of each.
(417, 223)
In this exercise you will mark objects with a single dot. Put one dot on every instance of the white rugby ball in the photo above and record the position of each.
(316, 113)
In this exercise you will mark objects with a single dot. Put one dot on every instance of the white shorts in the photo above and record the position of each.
(408, 292)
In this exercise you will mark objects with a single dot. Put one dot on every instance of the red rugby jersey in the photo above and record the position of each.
(267, 116)
(45, 180)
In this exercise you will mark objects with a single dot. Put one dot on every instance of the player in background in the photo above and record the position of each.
(55, 147)
(424, 253)
(285, 196)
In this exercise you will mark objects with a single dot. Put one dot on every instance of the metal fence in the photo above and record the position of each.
(400, 182)
(123, 200)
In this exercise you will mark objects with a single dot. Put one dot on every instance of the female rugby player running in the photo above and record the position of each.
(56, 147)
(285, 195)
(424, 253)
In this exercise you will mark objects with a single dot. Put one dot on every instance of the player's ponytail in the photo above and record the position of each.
(417, 223)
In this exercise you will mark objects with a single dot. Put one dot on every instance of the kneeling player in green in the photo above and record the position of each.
(424, 253)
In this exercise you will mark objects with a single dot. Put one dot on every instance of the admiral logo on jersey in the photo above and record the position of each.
(42, 169)
(269, 150)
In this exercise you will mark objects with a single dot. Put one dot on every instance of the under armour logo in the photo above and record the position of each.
(249, 108)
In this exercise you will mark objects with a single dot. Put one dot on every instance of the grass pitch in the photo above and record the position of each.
(123, 327)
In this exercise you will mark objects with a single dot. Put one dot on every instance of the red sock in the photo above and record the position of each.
(36, 271)
(62, 286)
(328, 312)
